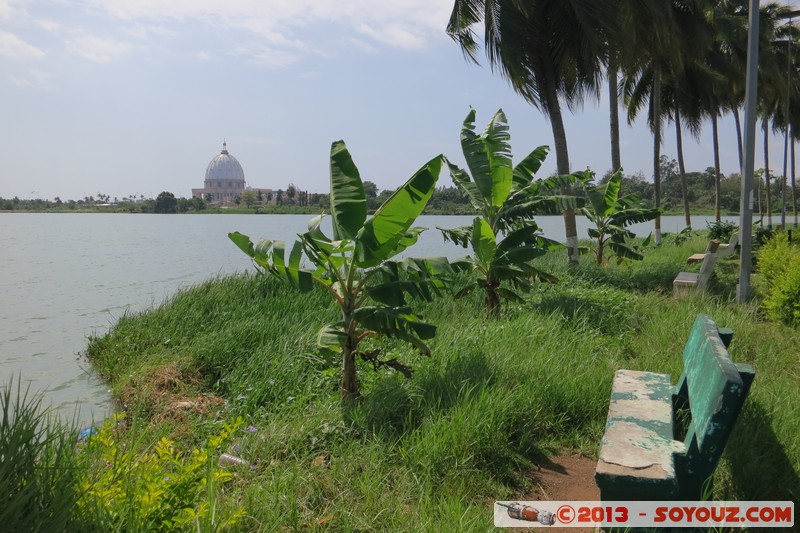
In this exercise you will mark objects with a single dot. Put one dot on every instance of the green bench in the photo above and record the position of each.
(663, 442)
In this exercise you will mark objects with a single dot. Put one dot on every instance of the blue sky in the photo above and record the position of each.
(130, 97)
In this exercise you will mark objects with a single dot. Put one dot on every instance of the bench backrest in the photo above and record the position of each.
(716, 389)
(707, 267)
(730, 247)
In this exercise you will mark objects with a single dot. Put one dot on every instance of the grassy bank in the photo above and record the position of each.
(495, 397)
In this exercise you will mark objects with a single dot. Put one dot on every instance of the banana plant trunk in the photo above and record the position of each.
(349, 388)
(492, 297)
(600, 245)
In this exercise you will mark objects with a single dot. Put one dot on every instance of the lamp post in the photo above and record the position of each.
(746, 198)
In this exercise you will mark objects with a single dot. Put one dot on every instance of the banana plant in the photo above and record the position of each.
(356, 269)
(611, 214)
(504, 237)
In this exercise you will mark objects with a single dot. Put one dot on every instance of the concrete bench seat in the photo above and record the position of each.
(725, 249)
(686, 283)
(637, 447)
(647, 453)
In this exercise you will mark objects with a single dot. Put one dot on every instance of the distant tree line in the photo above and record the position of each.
(700, 189)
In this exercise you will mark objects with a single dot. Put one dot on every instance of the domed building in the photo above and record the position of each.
(224, 178)
(225, 183)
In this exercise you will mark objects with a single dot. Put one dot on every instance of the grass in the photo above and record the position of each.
(496, 397)
(39, 476)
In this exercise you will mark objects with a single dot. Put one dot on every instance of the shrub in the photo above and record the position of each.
(158, 489)
(721, 230)
(779, 266)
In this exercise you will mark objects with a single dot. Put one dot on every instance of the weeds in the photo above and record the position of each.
(157, 489)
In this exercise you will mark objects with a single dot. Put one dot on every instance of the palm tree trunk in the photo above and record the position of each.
(717, 174)
(562, 164)
(682, 168)
(613, 119)
(738, 138)
(766, 173)
(656, 107)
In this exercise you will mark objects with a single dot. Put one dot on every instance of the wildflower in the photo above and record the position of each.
(251, 429)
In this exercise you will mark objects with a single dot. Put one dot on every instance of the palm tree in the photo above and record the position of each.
(772, 90)
(623, 55)
(548, 50)
(727, 59)
(665, 49)
(785, 112)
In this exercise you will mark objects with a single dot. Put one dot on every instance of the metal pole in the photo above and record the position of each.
(786, 128)
(746, 199)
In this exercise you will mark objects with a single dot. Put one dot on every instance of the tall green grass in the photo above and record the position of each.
(496, 396)
(39, 476)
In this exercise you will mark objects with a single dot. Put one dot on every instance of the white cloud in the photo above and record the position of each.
(5, 9)
(97, 49)
(406, 24)
(15, 48)
(396, 35)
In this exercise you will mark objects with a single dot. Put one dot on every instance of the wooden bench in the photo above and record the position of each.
(650, 451)
(686, 283)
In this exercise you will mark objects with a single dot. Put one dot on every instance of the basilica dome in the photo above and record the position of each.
(224, 167)
(224, 179)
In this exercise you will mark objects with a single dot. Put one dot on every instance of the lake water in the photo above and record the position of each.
(64, 277)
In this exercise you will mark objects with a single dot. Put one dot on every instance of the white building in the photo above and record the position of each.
(224, 178)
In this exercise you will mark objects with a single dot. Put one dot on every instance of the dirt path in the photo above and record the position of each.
(564, 477)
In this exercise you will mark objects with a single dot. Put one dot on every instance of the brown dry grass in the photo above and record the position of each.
(169, 392)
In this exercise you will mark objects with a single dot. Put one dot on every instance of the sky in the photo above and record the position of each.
(135, 97)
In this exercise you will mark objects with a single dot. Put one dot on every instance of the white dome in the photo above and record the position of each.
(225, 167)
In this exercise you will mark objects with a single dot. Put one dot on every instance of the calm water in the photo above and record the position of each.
(64, 277)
